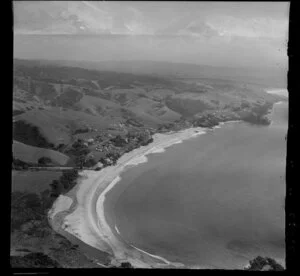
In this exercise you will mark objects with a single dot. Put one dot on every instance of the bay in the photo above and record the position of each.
(216, 200)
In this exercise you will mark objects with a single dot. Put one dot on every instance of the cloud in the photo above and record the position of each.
(174, 25)
(199, 28)
(95, 7)
(159, 30)
(60, 18)
(129, 18)
(135, 23)
(255, 27)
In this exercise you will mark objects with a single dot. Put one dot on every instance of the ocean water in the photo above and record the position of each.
(216, 200)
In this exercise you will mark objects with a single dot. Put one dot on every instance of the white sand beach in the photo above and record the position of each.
(61, 204)
(85, 218)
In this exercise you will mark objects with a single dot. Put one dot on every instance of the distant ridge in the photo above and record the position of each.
(274, 77)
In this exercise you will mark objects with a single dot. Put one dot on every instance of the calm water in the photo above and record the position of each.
(215, 200)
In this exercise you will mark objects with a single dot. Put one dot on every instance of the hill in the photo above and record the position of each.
(68, 115)
(32, 154)
(33, 181)
(55, 104)
(273, 77)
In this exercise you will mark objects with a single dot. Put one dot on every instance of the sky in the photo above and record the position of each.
(234, 34)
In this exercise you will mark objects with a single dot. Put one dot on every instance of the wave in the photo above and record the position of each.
(117, 230)
(152, 255)
(137, 160)
(158, 150)
(177, 142)
(163, 142)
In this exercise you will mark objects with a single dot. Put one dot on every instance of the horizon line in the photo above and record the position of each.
(152, 61)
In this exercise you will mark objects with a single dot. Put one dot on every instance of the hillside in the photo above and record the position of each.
(274, 77)
(32, 181)
(32, 154)
(73, 118)
(55, 105)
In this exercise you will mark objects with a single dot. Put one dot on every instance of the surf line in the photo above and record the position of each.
(116, 228)
(151, 255)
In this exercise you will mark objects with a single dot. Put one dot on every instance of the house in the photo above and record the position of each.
(99, 165)
(108, 161)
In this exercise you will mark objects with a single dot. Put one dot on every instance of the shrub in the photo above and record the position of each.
(118, 141)
(90, 162)
(44, 161)
(21, 165)
(33, 260)
(261, 262)
(65, 183)
(126, 265)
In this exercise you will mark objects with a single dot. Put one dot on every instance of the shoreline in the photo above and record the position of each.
(84, 217)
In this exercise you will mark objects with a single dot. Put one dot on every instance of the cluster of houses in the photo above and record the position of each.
(105, 147)
(113, 147)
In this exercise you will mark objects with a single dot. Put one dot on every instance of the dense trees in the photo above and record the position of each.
(21, 165)
(118, 141)
(90, 162)
(44, 161)
(264, 263)
(60, 147)
(30, 135)
(17, 112)
(68, 98)
(65, 183)
(126, 265)
(25, 207)
(79, 151)
(33, 260)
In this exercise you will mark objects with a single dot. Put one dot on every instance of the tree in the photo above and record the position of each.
(261, 263)
(90, 162)
(60, 147)
(54, 184)
(33, 260)
(19, 164)
(126, 265)
(56, 188)
(79, 161)
(44, 161)
(65, 182)
(118, 141)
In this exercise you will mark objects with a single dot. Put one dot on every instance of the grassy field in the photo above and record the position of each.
(32, 154)
(33, 181)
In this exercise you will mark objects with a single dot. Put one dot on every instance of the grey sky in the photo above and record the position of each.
(213, 33)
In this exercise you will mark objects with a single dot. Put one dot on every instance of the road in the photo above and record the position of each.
(57, 168)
